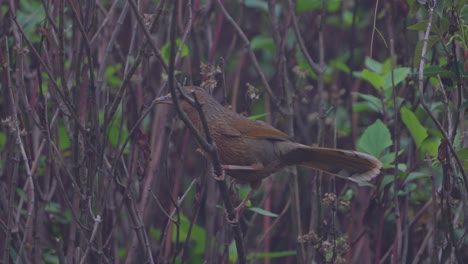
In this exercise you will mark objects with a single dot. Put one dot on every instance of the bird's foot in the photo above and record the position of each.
(237, 212)
(254, 167)
(220, 177)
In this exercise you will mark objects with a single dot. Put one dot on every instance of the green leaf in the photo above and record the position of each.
(387, 179)
(309, 5)
(431, 145)
(261, 5)
(415, 175)
(433, 71)
(373, 65)
(262, 42)
(422, 26)
(165, 50)
(258, 117)
(262, 212)
(417, 131)
(375, 139)
(271, 255)
(399, 75)
(374, 103)
(432, 40)
(389, 158)
(339, 65)
(2, 139)
(117, 132)
(375, 79)
(198, 236)
(463, 154)
(64, 139)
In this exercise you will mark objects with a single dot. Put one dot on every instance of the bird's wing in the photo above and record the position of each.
(255, 129)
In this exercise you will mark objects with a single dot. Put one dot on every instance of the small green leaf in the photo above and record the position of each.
(415, 175)
(432, 40)
(463, 154)
(372, 102)
(309, 5)
(373, 65)
(422, 26)
(417, 131)
(64, 139)
(270, 255)
(339, 65)
(375, 139)
(165, 50)
(262, 212)
(387, 179)
(262, 42)
(258, 117)
(433, 71)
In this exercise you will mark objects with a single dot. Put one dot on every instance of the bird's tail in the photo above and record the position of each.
(348, 164)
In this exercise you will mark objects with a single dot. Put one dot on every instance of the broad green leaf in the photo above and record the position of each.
(375, 139)
(375, 79)
(417, 131)
(373, 65)
(399, 75)
(431, 145)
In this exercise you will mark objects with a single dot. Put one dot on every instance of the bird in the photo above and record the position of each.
(251, 150)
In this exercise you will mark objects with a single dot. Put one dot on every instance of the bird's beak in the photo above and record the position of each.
(165, 99)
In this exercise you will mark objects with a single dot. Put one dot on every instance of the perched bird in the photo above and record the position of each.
(252, 150)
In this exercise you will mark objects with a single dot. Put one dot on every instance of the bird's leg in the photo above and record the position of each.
(221, 177)
(255, 166)
(253, 187)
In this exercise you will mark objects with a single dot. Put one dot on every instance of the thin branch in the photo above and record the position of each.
(253, 58)
(432, 5)
(208, 145)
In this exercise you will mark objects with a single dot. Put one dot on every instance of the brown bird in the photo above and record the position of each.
(252, 150)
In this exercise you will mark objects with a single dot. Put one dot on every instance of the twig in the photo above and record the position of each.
(432, 5)
(252, 58)
(187, 30)
(207, 145)
(97, 221)
(147, 34)
(317, 68)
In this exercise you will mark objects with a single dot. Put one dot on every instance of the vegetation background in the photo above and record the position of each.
(92, 171)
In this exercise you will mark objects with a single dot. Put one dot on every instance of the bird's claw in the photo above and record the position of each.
(220, 177)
